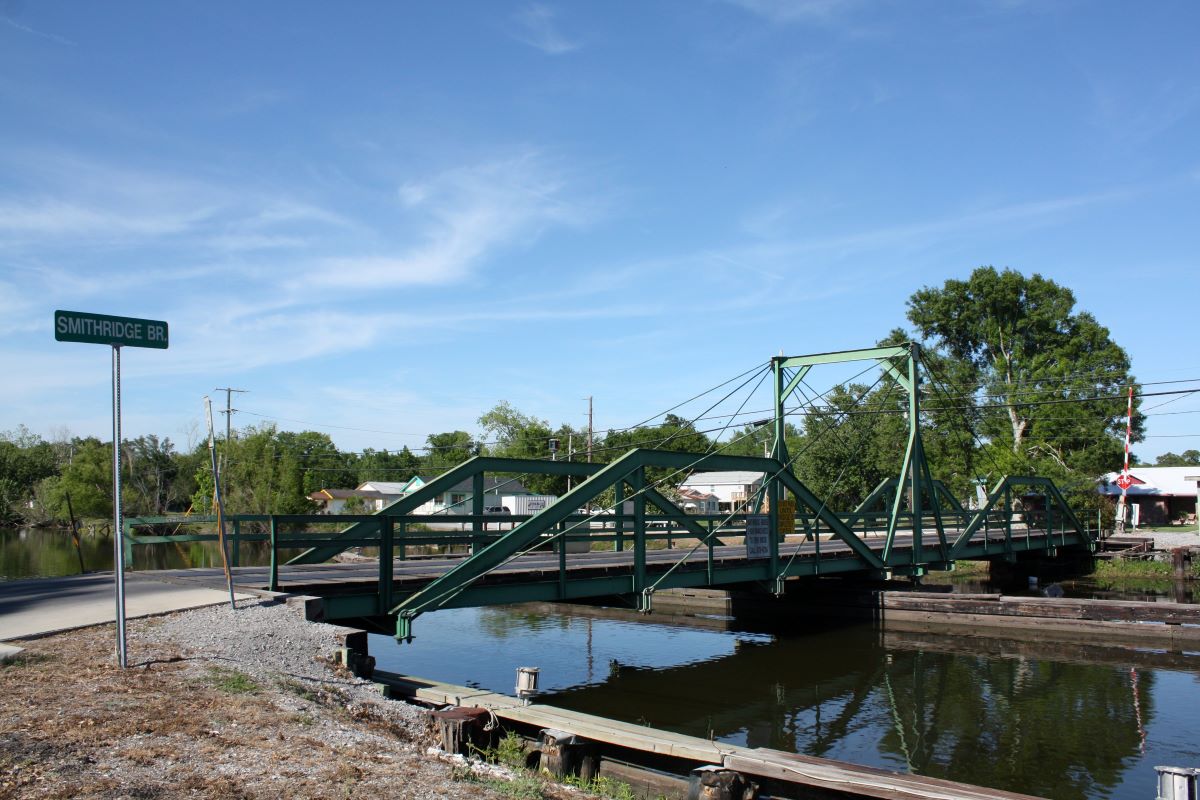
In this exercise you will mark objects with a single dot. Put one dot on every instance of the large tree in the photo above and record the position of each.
(1028, 367)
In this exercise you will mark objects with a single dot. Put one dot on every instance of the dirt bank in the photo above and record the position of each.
(215, 703)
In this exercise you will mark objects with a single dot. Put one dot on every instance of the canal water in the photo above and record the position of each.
(1054, 725)
(1032, 718)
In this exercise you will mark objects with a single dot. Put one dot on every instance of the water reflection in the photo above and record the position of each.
(1061, 722)
(50, 552)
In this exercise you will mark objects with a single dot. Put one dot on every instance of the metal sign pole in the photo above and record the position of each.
(118, 534)
(79, 326)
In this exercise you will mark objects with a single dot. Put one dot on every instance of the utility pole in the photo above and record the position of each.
(228, 412)
(589, 429)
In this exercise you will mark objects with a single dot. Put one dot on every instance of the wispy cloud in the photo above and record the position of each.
(466, 214)
(537, 27)
(53, 37)
(57, 199)
(792, 11)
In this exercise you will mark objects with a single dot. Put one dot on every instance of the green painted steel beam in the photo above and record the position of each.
(529, 533)
(842, 356)
(839, 528)
(448, 480)
(677, 514)
(787, 391)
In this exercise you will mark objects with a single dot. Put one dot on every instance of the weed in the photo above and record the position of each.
(26, 660)
(604, 786)
(1122, 568)
(524, 786)
(510, 751)
(299, 689)
(232, 681)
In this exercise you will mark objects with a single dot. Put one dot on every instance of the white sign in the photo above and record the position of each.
(758, 536)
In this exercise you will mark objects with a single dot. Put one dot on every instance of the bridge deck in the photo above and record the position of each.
(537, 575)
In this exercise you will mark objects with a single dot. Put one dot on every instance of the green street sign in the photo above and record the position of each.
(77, 326)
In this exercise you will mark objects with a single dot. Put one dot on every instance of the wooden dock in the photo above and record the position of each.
(804, 775)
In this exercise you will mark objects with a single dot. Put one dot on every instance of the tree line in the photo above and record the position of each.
(1017, 381)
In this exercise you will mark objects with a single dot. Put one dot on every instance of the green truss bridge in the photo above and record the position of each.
(642, 541)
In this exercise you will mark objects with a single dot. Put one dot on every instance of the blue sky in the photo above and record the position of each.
(391, 216)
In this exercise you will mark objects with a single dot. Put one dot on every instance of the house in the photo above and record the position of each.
(1162, 495)
(734, 490)
(497, 493)
(333, 501)
(696, 502)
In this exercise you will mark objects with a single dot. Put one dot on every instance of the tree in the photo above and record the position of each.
(516, 435)
(1032, 365)
(381, 465)
(1188, 458)
(87, 479)
(25, 460)
(446, 450)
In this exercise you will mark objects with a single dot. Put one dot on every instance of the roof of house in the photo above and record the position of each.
(723, 479)
(490, 486)
(692, 494)
(384, 487)
(1155, 481)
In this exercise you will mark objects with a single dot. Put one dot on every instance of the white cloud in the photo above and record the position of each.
(538, 29)
(466, 214)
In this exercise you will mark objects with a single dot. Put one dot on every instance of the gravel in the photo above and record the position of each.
(270, 640)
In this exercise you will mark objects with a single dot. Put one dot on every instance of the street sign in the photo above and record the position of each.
(78, 326)
(758, 536)
(117, 332)
(1124, 481)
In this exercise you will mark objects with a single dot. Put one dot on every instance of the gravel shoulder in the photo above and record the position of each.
(215, 703)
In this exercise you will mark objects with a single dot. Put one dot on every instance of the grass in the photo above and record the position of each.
(299, 689)
(232, 681)
(25, 659)
(512, 752)
(603, 786)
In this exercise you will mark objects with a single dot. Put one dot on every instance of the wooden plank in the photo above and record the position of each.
(1050, 608)
(839, 776)
(1179, 636)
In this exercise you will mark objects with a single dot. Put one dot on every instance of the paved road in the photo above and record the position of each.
(46, 605)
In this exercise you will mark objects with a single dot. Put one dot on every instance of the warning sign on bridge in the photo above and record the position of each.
(758, 536)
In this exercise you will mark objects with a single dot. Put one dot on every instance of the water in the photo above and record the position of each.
(1045, 725)
(49, 552)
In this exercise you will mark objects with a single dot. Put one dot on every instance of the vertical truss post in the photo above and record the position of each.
(618, 516)
(639, 540)
(476, 512)
(917, 452)
(773, 495)
(386, 554)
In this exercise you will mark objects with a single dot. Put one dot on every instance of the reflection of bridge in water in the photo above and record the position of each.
(908, 525)
(1052, 728)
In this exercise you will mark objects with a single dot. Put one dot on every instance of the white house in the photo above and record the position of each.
(1163, 494)
(497, 493)
(734, 490)
(333, 501)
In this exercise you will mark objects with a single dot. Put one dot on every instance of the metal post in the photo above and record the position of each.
(918, 452)
(118, 533)
(274, 554)
(477, 508)
(639, 534)
(386, 554)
